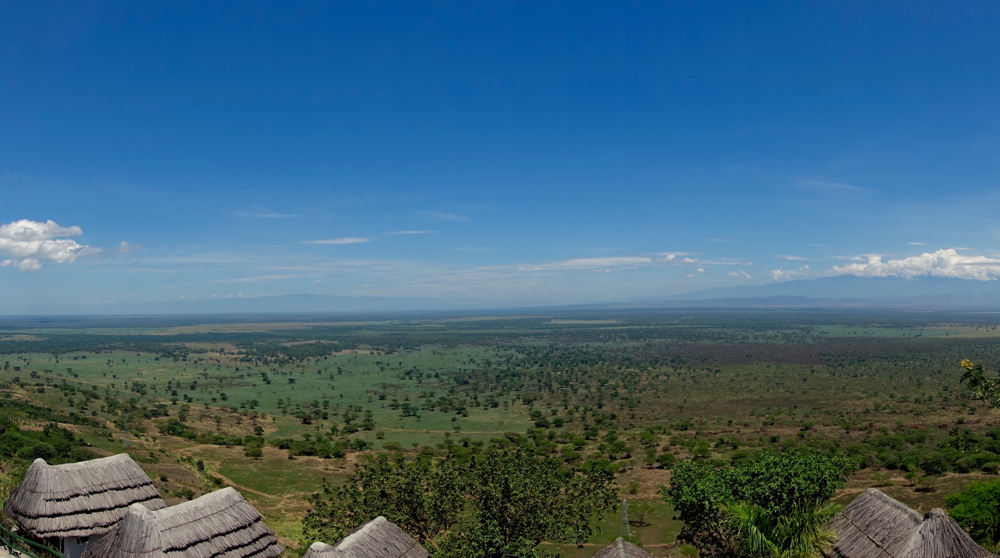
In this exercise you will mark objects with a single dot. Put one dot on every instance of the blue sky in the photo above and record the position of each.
(500, 153)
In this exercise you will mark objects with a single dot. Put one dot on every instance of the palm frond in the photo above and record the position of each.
(749, 528)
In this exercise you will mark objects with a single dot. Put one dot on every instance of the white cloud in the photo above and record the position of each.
(27, 231)
(688, 275)
(345, 240)
(784, 275)
(30, 242)
(794, 258)
(256, 279)
(29, 264)
(659, 258)
(664, 258)
(412, 232)
(125, 247)
(701, 270)
(942, 263)
(587, 263)
(918, 244)
(739, 273)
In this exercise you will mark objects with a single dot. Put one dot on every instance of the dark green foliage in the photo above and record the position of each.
(53, 444)
(962, 451)
(779, 484)
(318, 447)
(977, 510)
(496, 505)
(425, 501)
(519, 500)
(804, 532)
(987, 389)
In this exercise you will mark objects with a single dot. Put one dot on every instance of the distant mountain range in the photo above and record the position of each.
(828, 292)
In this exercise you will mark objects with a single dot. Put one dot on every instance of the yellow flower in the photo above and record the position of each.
(967, 364)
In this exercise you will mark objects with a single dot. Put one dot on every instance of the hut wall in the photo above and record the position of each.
(73, 547)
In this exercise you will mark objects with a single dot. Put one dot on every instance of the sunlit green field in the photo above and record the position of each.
(332, 384)
(709, 387)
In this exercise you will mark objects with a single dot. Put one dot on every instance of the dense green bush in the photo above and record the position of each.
(778, 484)
(499, 504)
(977, 510)
(53, 443)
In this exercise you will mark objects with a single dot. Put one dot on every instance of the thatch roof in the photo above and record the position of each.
(877, 526)
(379, 538)
(80, 499)
(218, 524)
(622, 549)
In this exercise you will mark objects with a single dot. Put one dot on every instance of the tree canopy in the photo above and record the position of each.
(977, 510)
(500, 504)
(779, 486)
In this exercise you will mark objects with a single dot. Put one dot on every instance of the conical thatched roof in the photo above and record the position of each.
(623, 549)
(218, 524)
(80, 499)
(877, 526)
(379, 538)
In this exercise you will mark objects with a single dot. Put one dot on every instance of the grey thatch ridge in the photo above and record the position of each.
(218, 524)
(877, 526)
(379, 538)
(80, 499)
(622, 549)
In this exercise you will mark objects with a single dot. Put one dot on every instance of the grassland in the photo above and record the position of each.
(617, 390)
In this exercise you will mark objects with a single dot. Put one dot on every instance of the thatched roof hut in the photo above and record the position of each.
(622, 549)
(218, 524)
(877, 526)
(80, 499)
(379, 538)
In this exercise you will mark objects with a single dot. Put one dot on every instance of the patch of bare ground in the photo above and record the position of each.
(585, 551)
(356, 352)
(920, 493)
(649, 481)
(20, 337)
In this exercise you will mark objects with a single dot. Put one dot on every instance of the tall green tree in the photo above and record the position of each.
(779, 487)
(424, 501)
(977, 509)
(517, 500)
(501, 504)
(804, 532)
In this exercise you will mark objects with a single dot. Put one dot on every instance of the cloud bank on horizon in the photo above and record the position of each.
(31, 245)
(942, 263)
(947, 263)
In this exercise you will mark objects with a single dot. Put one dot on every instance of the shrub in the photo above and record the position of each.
(42, 450)
(977, 510)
